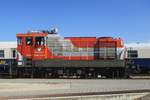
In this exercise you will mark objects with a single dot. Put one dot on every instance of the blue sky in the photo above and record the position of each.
(128, 19)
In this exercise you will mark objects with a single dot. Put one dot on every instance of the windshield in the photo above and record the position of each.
(29, 41)
(39, 41)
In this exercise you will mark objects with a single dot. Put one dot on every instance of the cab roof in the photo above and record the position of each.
(32, 34)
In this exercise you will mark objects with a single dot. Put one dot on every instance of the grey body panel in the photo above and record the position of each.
(80, 63)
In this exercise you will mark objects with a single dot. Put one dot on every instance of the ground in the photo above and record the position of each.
(39, 87)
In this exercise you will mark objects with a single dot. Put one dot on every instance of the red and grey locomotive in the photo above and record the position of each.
(46, 54)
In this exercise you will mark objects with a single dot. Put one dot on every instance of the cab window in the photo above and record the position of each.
(39, 41)
(19, 40)
(29, 41)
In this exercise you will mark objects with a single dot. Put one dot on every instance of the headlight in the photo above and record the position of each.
(39, 49)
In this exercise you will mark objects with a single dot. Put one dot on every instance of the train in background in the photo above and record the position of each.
(45, 54)
(8, 59)
(139, 58)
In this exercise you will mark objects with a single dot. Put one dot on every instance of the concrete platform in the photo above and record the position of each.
(12, 88)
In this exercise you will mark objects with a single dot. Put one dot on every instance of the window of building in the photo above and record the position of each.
(1, 53)
(132, 53)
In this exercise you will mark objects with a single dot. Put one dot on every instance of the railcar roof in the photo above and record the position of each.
(8, 44)
(138, 45)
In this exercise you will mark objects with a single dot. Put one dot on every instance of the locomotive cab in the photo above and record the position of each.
(31, 46)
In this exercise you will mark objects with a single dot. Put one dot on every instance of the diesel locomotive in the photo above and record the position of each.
(45, 54)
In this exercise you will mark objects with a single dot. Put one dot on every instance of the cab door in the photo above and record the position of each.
(29, 47)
